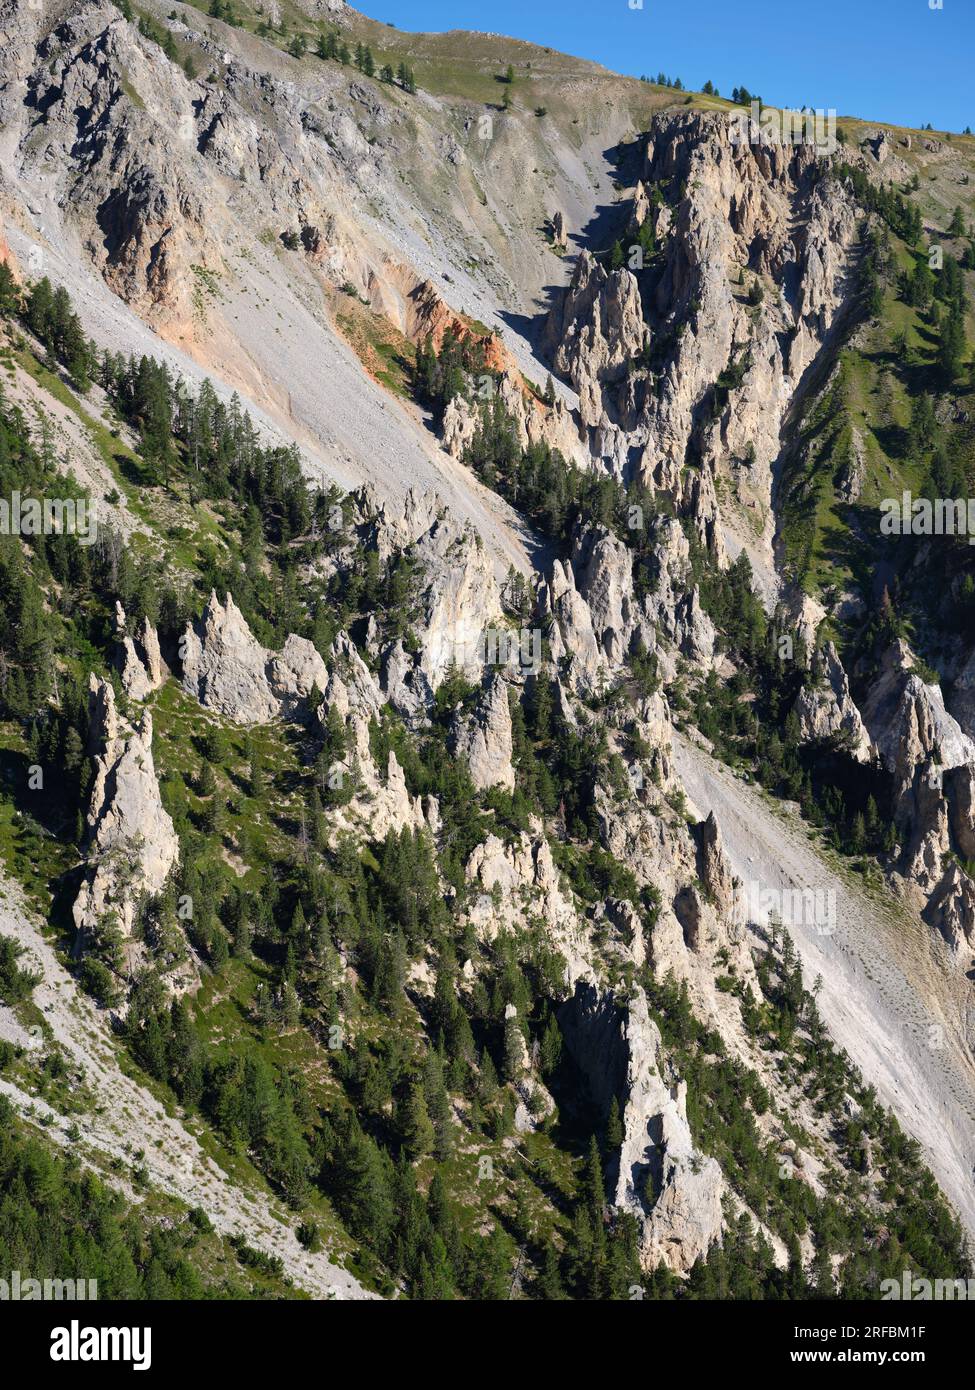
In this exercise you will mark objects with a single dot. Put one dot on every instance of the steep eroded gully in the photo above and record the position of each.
(885, 995)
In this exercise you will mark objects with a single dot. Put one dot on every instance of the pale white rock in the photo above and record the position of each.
(135, 680)
(231, 673)
(675, 605)
(461, 602)
(595, 331)
(147, 645)
(534, 422)
(908, 720)
(672, 1189)
(458, 426)
(381, 800)
(484, 739)
(574, 633)
(825, 708)
(405, 684)
(603, 570)
(920, 745)
(701, 915)
(296, 671)
(456, 597)
(140, 661)
(349, 685)
(740, 206)
(951, 908)
(519, 882)
(225, 667)
(640, 209)
(131, 846)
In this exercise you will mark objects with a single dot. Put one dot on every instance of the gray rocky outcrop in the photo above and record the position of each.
(671, 1188)
(295, 673)
(598, 618)
(560, 235)
(224, 665)
(932, 762)
(131, 845)
(516, 882)
(535, 1103)
(371, 798)
(483, 738)
(722, 371)
(534, 421)
(231, 673)
(595, 331)
(140, 662)
(825, 708)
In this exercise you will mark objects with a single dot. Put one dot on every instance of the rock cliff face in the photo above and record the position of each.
(826, 711)
(535, 423)
(146, 217)
(484, 739)
(225, 667)
(598, 619)
(380, 801)
(200, 202)
(932, 763)
(131, 845)
(460, 603)
(708, 354)
(295, 673)
(517, 883)
(673, 1190)
(719, 372)
(229, 672)
(595, 332)
(140, 661)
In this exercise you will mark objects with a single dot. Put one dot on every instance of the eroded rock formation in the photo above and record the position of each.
(131, 845)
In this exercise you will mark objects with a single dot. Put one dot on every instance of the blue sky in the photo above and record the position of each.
(886, 60)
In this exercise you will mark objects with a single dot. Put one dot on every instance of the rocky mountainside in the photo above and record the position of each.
(491, 791)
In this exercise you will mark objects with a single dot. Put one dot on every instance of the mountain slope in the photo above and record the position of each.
(459, 444)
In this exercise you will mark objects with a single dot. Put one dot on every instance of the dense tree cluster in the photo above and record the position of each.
(901, 215)
(59, 1221)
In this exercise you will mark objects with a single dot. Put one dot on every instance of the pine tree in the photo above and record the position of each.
(363, 1186)
(549, 1282)
(614, 1126)
(551, 1047)
(514, 1048)
(9, 292)
(438, 1105)
(594, 1186)
(416, 1130)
